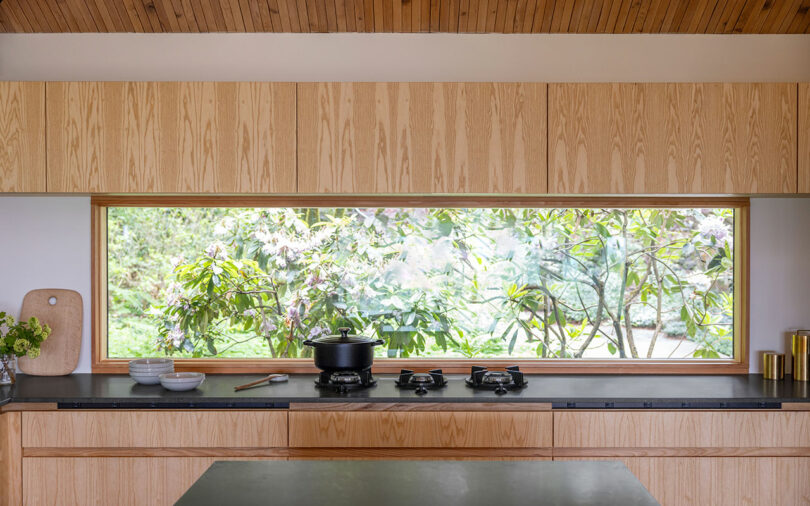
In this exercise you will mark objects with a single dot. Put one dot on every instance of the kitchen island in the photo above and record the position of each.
(410, 482)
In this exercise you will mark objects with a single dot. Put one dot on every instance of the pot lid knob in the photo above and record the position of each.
(344, 332)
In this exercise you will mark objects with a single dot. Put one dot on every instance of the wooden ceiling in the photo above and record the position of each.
(453, 16)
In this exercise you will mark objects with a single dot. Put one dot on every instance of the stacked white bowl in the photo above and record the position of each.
(147, 371)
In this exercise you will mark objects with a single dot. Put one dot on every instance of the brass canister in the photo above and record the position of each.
(801, 340)
(773, 365)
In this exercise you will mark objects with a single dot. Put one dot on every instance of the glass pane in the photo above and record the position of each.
(434, 283)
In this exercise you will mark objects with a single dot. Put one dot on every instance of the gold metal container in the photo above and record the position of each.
(801, 345)
(773, 365)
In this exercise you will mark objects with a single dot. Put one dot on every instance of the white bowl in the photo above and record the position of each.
(146, 379)
(151, 370)
(151, 362)
(181, 381)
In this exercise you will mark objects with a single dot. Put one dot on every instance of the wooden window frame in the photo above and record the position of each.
(101, 363)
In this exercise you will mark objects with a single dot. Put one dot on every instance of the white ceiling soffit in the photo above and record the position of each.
(404, 57)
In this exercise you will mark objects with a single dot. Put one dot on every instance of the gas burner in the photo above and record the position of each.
(421, 382)
(343, 381)
(499, 381)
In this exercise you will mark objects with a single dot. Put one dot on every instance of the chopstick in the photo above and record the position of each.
(257, 382)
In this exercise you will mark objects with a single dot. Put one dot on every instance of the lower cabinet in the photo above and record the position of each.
(111, 480)
(720, 481)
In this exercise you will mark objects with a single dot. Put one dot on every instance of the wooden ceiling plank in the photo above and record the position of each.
(751, 8)
(641, 17)
(219, 16)
(613, 16)
(15, 8)
(407, 16)
(511, 14)
(175, 8)
(548, 14)
(281, 22)
(263, 11)
(527, 21)
(360, 19)
(35, 17)
(47, 21)
(348, 15)
(632, 16)
(492, 15)
(227, 16)
(55, 18)
(586, 11)
(673, 17)
(331, 15)
(416, 16)
(722, 17)
(604, 16)
(481, 21)
(388, 15)
(776, 16)
(621, 19)
(244, 23)
(303, 15)
(165, 14)
(760, 17)
(135, 8)
(103, 21)
(791, 17)
(124, 16)
(455, 11)
(595, 14)
(148, 8)
(500, 16)
(733, 15)
(655, 15)
(379, 14)
(706, 18)
(434, 15)
(187, 14)
(801, 20)
(199, 15)
(520, 15)
(3, 20)
(716, 16)
(556, 18)
(76, 7)
(692, 16)
(463, 15)
(444, 15)
(10, 18)
(119, 17)
(424, 16)
(396, 16)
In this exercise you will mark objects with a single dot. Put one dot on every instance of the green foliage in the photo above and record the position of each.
(474, 282)
(22, 338)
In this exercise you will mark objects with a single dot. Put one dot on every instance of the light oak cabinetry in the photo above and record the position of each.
(672, 138)
(149, 137)
(698, 457)
(804, 137)
(422, 138)
(22, 136)
(10, 459)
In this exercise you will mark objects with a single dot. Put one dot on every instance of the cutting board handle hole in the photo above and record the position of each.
(52, 301)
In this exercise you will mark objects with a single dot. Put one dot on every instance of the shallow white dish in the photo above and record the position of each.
(155, 371)
(151, 362)
(181, 381)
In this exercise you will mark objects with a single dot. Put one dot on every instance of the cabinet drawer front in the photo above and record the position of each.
(155, 429)
(680, 429)
(460, 429)
(114, 480)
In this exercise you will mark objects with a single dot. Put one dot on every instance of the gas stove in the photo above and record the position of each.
(421, 382)
(343, 381)
(500, 381)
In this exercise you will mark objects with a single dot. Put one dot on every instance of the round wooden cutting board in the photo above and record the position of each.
(62, 310)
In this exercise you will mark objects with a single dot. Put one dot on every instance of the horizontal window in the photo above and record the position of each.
(437, 282)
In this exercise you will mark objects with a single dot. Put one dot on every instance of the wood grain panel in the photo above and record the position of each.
(500, 16)
(421, 137)
(676, 429)
(10, 459)
(121, 481)
(171, 137)
(804, 137)
(325, 429)
(677, 481)
(155, 429)
(22, 136)
(672, 138)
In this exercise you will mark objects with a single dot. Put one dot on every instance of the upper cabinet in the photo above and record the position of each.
(421, 138)
(167, 137)
(672, 138)
(22, 136)
(804, 137)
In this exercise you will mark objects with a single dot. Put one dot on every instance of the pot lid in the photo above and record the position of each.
(344, 338)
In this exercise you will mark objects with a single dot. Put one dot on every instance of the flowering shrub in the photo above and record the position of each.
(548, 282)
(21, 338)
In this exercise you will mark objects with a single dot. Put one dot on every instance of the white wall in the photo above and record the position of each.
(45, 243)
(404, 57)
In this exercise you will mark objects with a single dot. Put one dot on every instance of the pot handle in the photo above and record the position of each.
(378, 342)
(308, 342)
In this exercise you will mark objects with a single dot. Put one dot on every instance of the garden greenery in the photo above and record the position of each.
(438, 282)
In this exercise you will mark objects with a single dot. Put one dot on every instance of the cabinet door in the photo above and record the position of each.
(459, 429)
(422, 138)
(112, 480)
(154, 429)
(148, 137)
(22, 137)
(804, 137)
(672, 138)
(721, 481)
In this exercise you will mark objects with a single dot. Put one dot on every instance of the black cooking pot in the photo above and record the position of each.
(343, 352)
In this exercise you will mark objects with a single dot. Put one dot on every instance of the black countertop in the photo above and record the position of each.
(405, 483)
(562, 390)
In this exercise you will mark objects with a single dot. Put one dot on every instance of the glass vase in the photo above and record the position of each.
(8, 369)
